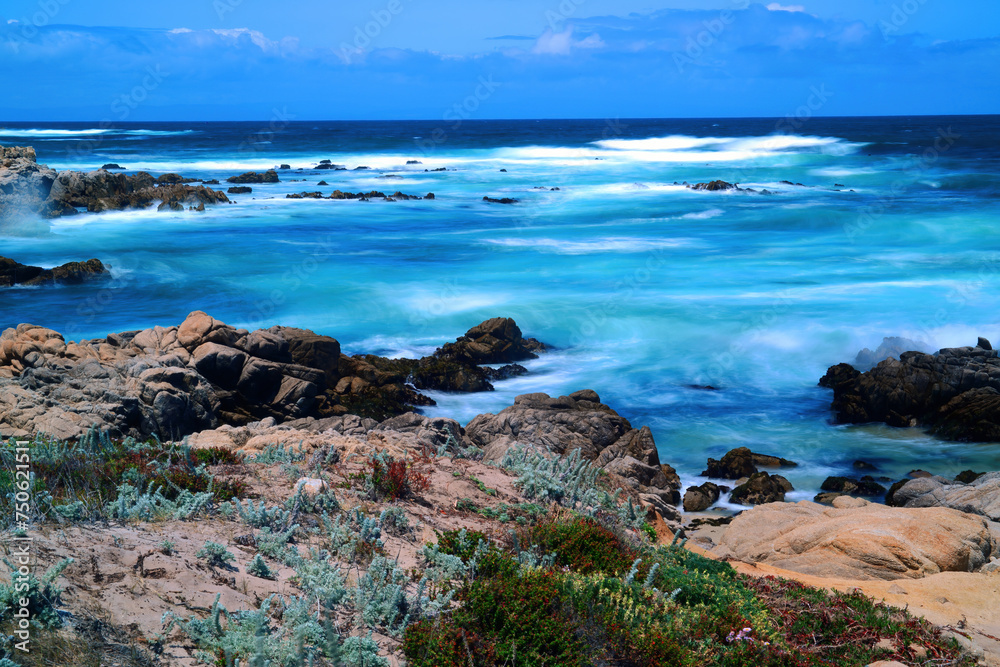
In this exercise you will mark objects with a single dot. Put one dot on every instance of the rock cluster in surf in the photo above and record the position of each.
(954, 393)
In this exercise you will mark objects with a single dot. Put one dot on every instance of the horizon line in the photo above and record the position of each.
(489, 120)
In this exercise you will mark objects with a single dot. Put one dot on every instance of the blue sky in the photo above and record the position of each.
(395, 59)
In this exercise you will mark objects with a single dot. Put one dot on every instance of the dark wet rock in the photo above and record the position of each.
(827, 497)
(269, 176)
(413, 162)
(968, 476)
(955, 393)
(103, 191)
(14, 273)
(212, 181)
(741, 462)
(505, 372)
(983, 344)
(866, 486)
(112, 165)
(173, 179)
(495, 341)
(863, 465)
(284, 166)
(322, 183)
(760, 488)
(502, 200)
(240, 190)
(700, 498)
(714, 186)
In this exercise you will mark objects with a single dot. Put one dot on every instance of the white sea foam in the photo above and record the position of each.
(64, 134)
(703, 215)
(609, 244)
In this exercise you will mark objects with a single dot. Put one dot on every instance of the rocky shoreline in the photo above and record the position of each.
(248, 394)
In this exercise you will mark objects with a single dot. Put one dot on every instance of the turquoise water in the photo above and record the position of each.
(646, 288)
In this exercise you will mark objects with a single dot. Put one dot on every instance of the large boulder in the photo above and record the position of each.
(578, 422)
(980, 496)
(699, 498)
(24, 184)
(955, 392)
(495, 341)
(859, 540)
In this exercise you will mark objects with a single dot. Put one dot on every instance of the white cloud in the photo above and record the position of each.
(555, 43)
(775, 7)
(562, 43)
(591, 42)
(254, 36)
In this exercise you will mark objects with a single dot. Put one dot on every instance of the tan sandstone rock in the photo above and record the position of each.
(858, 539)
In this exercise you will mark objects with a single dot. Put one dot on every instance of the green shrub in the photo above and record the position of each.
(258, 568)
(215, 554)
(582, 544)
(41, 593)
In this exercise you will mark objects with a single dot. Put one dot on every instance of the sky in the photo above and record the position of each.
(64, 60)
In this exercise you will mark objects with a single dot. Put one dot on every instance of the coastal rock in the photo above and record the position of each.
(578, 422)
(761, 488)
(981, 496)
(240, 190)
(866, 486)
(27, 188)
(714, 186)
(495, 341)
(269, 176)
(741, 462)
(214, 374)
(859, 540)
(173, 179)
(955, 393)
(14, 273)
(501, 200)
(24, 184)
(699, 498)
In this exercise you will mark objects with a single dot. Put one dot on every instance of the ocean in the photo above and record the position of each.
(649, 291)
